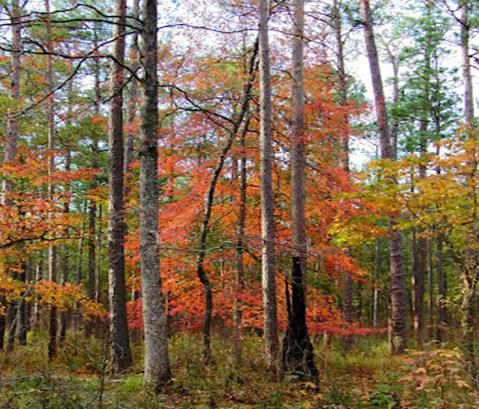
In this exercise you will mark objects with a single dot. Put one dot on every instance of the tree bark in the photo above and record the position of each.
(120, 346)
(52, 250)
(267, 200)
(398, 324)
(133, 98)
(298, 357)
(157, 367)
(240, 243)
(11, 148)
(466, 66)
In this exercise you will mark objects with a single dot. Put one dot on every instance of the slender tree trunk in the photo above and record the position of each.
(65, 260)
(441, 292)
(92, 207)
(35, 316)
(470, 273)
(468, 328)
(377, 271)
(466, 65)
(430, 281)
(22, 310)
(200, 271)
(11, 149)
(52, 250)
(240, 243)
(422, 243)
(298, 357)
(398, 324)
(157, 367)
(267, 200)
(120, 346)
(133, 98)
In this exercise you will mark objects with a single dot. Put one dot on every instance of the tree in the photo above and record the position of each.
(398, 324)
(297, 348)
(267, 199)
(157, 368)
(120, 347)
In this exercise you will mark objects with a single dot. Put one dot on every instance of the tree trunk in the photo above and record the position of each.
(267, 200)
(398, 325)
(377, 272)
(466, 66)
(22, 310)
(133, 98)
(157, 367)
(441, 292)
(65, 260)
(240, 243)
(120, 347)
(52, 250)
(467, 324)
(298, 357)
(11, 147)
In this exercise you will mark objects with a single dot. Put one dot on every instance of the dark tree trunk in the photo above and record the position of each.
(22, 310)
(298, 357)
(120, 346)
(240, 243)
(52, 250)
(12, 314)
(441, 292)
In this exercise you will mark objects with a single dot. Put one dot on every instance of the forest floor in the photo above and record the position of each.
(364, 376)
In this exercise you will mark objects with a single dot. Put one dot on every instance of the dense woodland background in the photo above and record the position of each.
(239, 204)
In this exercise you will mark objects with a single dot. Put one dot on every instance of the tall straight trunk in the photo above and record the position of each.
(240, 243)
(267, 199)
(157, 367)
(298, 357)
(120, 347)
(133, 97)
(420, 266)
(466, 65)
(65, 260)
(9, 322)
(52, 250)
(470, 272)
(92, 207)
(398, 321)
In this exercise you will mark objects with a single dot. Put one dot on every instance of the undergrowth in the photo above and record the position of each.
(361, 376)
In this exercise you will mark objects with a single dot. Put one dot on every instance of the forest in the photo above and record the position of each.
(239, 204)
